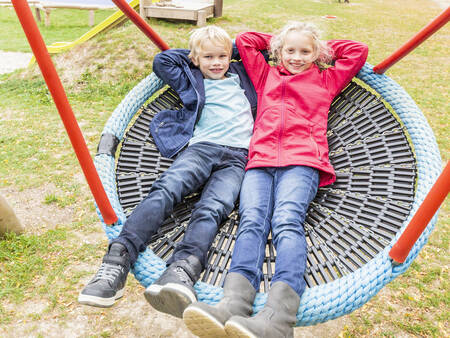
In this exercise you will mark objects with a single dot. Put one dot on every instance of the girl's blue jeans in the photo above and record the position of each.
(274, 199)
(220, 169)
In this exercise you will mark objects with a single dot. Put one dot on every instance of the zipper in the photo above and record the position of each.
(283, 93)
(159, 126)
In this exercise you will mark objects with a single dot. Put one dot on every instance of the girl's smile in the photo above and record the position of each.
(297, 54)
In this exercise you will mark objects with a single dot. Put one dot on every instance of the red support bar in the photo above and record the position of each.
(140, 22)
(415, 41)
(422, 217)
(65, 111)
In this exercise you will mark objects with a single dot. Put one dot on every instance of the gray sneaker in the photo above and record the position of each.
(174, 290)
(109, 282)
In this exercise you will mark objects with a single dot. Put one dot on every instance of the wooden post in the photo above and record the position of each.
(218, 5)
(91, 18)
(142, 4)
(8, 219)
(47, 17)
(201, 18)
(38, 14)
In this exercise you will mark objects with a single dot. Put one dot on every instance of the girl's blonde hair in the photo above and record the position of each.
(214, 34)
(323, 52)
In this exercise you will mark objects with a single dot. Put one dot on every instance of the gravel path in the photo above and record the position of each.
(10, 61)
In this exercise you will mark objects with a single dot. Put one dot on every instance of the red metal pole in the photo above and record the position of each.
(422, 217)
(140, 22)
(415, 41)
(65, 111)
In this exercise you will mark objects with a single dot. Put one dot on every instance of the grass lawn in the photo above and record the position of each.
(42, 271)
(65, 25)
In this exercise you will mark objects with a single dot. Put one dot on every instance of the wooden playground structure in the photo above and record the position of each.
(194, 10)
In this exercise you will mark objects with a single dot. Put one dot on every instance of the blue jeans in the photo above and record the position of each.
(275, 199)
(220, 168)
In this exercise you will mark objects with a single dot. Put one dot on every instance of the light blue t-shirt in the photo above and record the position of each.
(226, 116)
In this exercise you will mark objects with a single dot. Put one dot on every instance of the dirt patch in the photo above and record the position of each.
(10, 61)
(130, 317)
(36, 216)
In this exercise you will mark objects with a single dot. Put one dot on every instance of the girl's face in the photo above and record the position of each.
(298, 52)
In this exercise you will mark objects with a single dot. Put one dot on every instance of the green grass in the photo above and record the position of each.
(35, 150)
(65, 25)
(23, 260)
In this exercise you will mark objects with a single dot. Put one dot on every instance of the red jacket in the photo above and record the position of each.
(291, 121)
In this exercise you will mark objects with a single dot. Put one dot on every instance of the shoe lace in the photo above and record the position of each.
(183, 275)
(108, 272)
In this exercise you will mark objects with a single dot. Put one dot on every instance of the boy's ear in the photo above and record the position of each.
(194, 60)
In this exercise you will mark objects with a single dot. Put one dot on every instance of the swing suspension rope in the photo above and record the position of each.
(341, 279)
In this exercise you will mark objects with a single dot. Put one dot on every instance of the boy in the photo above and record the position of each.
(216, 122)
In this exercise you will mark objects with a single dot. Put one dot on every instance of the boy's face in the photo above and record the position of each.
(298, 53)
(213, 61)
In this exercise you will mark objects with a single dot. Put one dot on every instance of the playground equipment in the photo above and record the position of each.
(110, 22)
(361, 229)
(193, 10)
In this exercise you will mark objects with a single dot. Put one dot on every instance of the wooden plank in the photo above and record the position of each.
(181, 11)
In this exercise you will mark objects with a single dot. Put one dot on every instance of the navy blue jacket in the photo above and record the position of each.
(172, 129)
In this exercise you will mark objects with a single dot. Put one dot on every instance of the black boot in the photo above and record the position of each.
(109, 283)
(275, 320)
(208, 321)
(174, 290)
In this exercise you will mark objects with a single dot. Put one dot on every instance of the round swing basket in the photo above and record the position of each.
(386, 160)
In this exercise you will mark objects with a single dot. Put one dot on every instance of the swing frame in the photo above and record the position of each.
(319, 303)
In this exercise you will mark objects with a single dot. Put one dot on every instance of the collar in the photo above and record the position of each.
(283, 70)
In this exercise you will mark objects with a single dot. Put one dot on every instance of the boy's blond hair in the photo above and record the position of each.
(322, 51)
(214, 34)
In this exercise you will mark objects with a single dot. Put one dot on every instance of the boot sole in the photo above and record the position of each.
(234, 329)
(99, 301)
(202, 324)
(169, 298)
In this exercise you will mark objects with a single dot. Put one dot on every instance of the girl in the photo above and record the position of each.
(288, 161)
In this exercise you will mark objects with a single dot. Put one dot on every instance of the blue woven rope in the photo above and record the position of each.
(323, 302)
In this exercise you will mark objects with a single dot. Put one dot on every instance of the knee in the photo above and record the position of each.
(253, 228)
(211, 209)
(287, 219)
(163, 189)
(289, 233)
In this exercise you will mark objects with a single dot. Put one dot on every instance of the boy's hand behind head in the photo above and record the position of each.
(211, 50)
